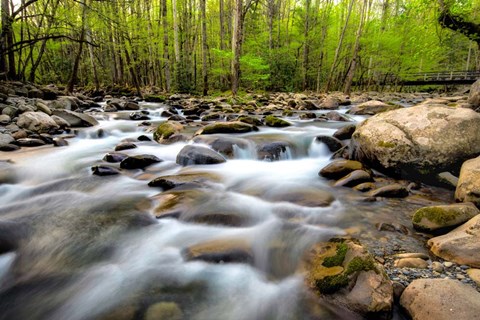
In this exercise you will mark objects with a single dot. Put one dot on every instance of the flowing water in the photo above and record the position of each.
(78, 246)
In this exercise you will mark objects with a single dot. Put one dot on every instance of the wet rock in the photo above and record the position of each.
(104, 171)
(9, 147)
(110, 107)
(336, 116)
(390, 191)
(468, 188)
(125, 146)
(437, 267)
(330, 103)
(273, 151)
(60, 142)
(138, 116)
(308, 116)
(462, 245)
(5, 138)
(474, 97)
(42, 107)
(131, 105)
(273, 121)
(448, 179)
(303, 196)
(60, 122)
(418, 142)
(340, 168)
(224, 145)
(416, 263)
(114, 157)
(474, 274)
(5, 119)
(333, 144)
(30, 142)
(441, 217)
(440, 299)
(195, 155)
(164, 311)
(345, 132)
(76, 119)
(372, 107)
(37, 122)
(221, 251)
(190, 179)
(226, 127)
(345, 274)
(250, 120)
(139, 161)
(354, 178)
(364, 187)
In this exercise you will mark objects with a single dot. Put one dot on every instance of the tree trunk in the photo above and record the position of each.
(7, 56)
(166, 55)
(339, 46)
(306, 44)
(237, 36)
(204, 47)
(92, 61)
(73, 76)
(356, 49)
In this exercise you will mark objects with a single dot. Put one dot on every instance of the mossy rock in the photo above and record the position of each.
(275, 122)
(166, 130)
(250, 120)
(340, 168)
(154, 98)
(439, 217)
(226, 127)
(343, 272)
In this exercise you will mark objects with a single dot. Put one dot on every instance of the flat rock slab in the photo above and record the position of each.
(441, 299)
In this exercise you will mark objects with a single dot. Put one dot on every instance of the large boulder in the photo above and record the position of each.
(167, 132)
(474, 97)
(441, 299)
(76, 119)
(419, 141)
(37, 122)
(440, 217)
(372, 107)
(468, 186)
(226, 127)
(192, 155)
(344, 273)
(461, 245)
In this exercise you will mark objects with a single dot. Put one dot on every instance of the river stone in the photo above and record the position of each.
(76, 119)
(5, 138)
(441, 299)
(474, 97)
(114, 157)
(43, 107)
(37, 122)
(353, 179)
(221, 251)
(330, 103)
(164, 311)
(333, 144)
(273, 151)
(250, 120)
(183, 180)
(372, 107)
(225, 145)
(340, 168)
(226, 127)
(417, 263)
(139, 161)
(336, 116)
(5, 119)
(345, 274)
(104, 171)
(164, 132)
(303, 196)
(439, 217)
(193, 155)
(468, 187)
(125, 146)
(461, 245)
(30, 142)
(273, 121)
(394, 190)
(345, 132)
(419, 141)
(474, 274)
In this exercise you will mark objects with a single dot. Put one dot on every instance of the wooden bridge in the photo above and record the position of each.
(430, 78)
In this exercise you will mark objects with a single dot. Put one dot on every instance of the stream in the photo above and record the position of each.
(78, 246)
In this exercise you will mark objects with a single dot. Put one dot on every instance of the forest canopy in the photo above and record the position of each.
(203, 45)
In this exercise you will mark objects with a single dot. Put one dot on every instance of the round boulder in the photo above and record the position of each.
(192, 155)
(37, 122)
(440, 217)
(468, 186)
(418, 141)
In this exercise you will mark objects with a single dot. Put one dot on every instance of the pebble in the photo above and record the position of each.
(437, 267)
(448, 264)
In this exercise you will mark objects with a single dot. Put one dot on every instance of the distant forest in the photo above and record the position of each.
(202, 46)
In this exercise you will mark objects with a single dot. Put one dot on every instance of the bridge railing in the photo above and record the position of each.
(441, 76)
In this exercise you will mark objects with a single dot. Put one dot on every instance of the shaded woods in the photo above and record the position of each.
(197, 46)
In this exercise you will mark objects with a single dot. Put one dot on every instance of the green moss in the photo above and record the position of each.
(287, 113)
(437, 215)
(338, 258)
(250, 120)
(386, 144)
(164, 131)
(331, 284)
(154, 98)
(227, 127)
(273, 121)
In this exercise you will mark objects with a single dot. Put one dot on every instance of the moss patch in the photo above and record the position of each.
(386, 144)
(435, 214)
(338, 258)
(164, 131)
(273, 121)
